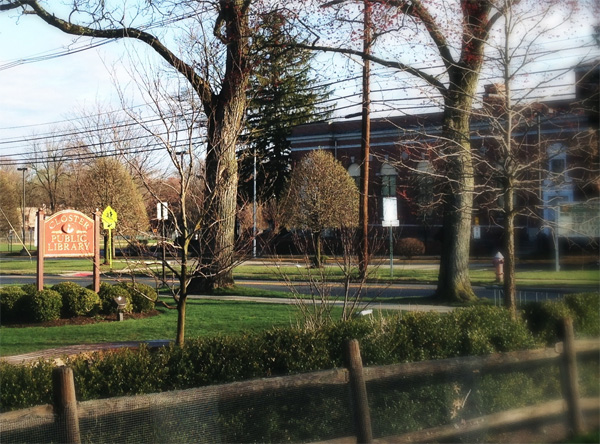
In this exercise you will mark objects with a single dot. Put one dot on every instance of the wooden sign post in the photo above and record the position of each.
(68, 233)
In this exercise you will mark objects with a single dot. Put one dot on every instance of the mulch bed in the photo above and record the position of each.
(86, 320)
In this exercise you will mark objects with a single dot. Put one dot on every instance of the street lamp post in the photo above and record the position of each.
(23, 250)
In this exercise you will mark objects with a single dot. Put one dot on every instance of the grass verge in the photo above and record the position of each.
(203, 318)
(269, 271)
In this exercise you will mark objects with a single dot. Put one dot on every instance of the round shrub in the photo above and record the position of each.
(107, 295)
(29, 289)
(77, 300)
(410, 247)
(143, 297)
(491, 330)
(586, 312)
(9, 303)
(544, 319)
(43, 306)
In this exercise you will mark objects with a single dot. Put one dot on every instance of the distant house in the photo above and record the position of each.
(558, 140)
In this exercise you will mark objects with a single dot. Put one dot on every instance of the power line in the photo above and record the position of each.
(341, 80)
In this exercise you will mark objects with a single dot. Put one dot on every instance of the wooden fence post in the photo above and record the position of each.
(358, 389)
(569, 378)
(65, 404)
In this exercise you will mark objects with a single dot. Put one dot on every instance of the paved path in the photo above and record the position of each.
(57, 354)
(292, 301)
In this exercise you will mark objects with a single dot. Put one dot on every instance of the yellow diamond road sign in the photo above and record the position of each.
(109, 218)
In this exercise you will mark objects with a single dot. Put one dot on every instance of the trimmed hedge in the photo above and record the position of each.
(544, 318)
(107, 295)
(77, 300)
(43, 306)
(9, 304)
(410, 247)
(412, 404)
(585, 309)
(281, 351)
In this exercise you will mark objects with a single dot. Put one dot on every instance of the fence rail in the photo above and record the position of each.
(67, 414)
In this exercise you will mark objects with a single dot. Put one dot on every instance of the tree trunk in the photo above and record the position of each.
(225, 113)
(317, 245)
(183, 275)
(221, 186)
(454, 284)
(181, 306)
(510, 300)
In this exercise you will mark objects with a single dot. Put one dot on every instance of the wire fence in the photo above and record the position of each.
(526, 296)
(509, 397)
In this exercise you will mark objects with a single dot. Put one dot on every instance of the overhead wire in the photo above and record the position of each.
(22, 141)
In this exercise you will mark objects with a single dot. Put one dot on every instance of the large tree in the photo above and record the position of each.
(10, 202)
(455, 35)
(105, 181)
(218, 79)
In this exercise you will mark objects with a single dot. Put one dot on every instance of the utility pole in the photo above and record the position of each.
(365, 143)
(254, 205)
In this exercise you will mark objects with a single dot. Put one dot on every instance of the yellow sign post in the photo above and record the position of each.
(109, 222)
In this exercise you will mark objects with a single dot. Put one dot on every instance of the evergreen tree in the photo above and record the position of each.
(281, 97)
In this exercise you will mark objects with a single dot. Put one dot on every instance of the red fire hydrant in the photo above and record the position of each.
(498, 262)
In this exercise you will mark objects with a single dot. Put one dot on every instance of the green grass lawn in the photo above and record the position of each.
(203, 318)
(479, 276)
(27, 265)
(269, 271)
(220, 317)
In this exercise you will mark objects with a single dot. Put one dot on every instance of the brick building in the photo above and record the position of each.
(555, 143)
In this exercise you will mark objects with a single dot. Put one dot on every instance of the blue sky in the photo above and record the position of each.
(34, 94)
(51, 90)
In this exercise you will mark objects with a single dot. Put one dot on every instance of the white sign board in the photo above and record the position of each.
(476, 232)
(390, 212)
(162, 212)
(579, 220)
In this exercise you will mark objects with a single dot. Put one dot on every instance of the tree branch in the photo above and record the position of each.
(415, 9)
(199, 84)
(12, 5)
(432, 80)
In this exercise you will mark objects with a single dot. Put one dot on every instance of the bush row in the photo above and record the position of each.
(279, 351)
(544, 318)
(404, 337)
(68, 299)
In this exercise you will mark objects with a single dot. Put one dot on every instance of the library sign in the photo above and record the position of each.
(68, 233)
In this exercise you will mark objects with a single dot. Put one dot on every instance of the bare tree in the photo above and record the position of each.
(51, 163)
(323, 197)
(176, 127)
(457, 33)
(218, 82)
(514, 159)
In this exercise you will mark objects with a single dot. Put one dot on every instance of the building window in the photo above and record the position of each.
(557, 166)
(388, 180)
(354, 172)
